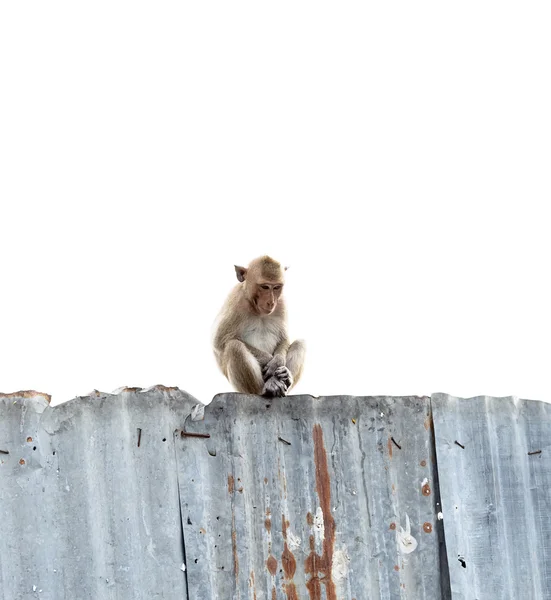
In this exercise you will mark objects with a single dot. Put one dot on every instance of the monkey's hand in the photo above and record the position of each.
(272, 366)
(274, 388)
(284, 375)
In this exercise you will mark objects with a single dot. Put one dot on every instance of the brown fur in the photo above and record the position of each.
(251, 344)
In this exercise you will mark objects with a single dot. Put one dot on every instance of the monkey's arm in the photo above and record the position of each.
(278, 360)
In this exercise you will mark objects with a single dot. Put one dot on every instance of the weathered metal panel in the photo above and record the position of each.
(305, 498)
(84, 511)
(494, 462)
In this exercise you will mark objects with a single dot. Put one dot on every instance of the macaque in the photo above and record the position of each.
(250, 340)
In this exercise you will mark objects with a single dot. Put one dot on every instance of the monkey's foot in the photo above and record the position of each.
(284, 375)
(274, 388)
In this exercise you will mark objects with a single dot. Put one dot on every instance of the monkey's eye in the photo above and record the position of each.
(265, 287)
(277, 287)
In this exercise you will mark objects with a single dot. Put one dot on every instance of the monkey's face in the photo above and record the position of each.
(267, 296)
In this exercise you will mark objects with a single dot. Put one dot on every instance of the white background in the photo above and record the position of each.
(396, 155)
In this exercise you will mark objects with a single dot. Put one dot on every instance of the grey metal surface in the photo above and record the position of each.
(305, 498)
(494, 463)
(84, 512)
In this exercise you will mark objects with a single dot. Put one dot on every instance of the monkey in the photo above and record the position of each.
(251, 344)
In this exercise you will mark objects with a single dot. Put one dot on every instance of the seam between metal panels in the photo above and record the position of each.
(174, 438)
(445, 579)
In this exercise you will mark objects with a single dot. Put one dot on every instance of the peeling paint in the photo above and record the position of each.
(294, 541)
(319, 526)
(341, 561)
(406, 542)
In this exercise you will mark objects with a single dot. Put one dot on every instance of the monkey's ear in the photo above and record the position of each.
(240, 272)
(285, 268)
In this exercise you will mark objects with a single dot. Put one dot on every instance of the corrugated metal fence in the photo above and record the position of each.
(139, 496)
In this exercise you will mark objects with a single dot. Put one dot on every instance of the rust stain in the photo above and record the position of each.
(29, 439)
(234, 551)
(310, 519)
(427, 527)
(274, 595)
(27, 394)
(252, 584)
(271, 563)
(231, 484)
(389, 446)
(164, 388)
(393, 526)
(202, 531)
(396, 568)
(428, 422)
(423, 463)
(284, 525)
(268, 525)
(268, 512)
(265, 480)
(288, 562)
(426, 490)
(240, 490)
(22, 461)
(319, 567)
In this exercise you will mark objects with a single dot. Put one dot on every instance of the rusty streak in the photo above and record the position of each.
(234, 551)
(320, 567)
(231, 484)
(252, 584)
(289, 563)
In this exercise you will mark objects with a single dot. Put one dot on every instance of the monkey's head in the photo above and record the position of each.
(263, 283)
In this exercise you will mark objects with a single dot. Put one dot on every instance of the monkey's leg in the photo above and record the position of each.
(295, 360)
(242, 369)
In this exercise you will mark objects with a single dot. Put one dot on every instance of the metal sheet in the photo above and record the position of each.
(494, 462)
(306, 498)
(84, 511)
